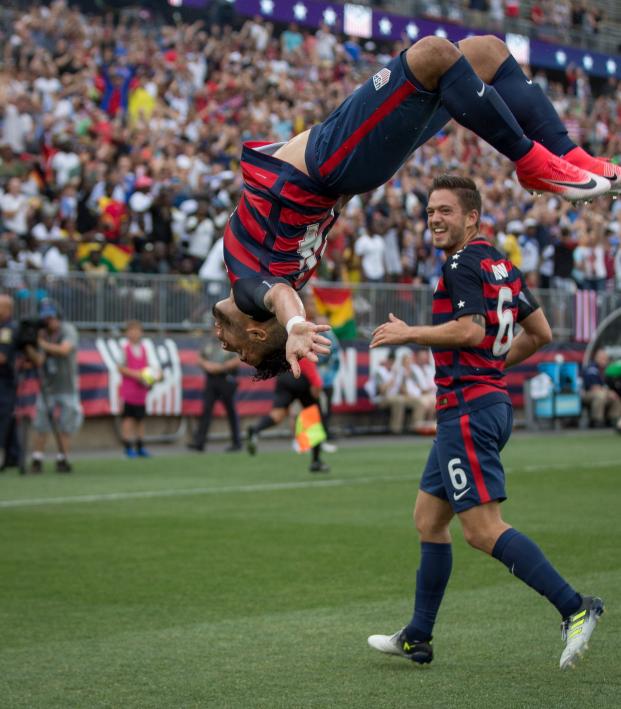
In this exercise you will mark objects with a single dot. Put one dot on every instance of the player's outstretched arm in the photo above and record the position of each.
(467, 331)
(303, 337)
(536, 333)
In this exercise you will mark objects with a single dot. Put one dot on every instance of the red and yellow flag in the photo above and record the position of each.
(309, 430)
(338, 305)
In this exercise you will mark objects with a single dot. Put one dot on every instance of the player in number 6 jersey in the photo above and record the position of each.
(293, 192)
(479, 298)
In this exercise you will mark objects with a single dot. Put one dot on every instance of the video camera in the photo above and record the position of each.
(28, 332)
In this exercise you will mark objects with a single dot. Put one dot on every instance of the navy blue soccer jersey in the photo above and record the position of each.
(477, 280)
(281, 223)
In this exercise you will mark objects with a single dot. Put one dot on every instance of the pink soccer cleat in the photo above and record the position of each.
(541, 171)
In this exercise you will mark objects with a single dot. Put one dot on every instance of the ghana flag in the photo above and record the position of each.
(115, 257)
(338, 305)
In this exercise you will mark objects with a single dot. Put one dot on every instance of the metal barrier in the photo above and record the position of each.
(182, 303)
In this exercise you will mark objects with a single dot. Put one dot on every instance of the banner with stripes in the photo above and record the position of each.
(181, 391)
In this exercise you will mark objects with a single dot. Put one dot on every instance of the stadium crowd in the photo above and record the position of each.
(123, 133)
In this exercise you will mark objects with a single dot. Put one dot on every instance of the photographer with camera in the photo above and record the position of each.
(56, 360)
(8, 382)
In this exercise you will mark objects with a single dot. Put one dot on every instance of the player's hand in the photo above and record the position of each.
(393, 332)
(305, 340)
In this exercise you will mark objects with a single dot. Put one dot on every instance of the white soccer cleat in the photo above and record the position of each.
(390, 644)
(420, 652)
(576, 630)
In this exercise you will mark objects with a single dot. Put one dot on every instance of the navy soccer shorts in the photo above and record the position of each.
(288, 389)
(464, 465)
(363, 143)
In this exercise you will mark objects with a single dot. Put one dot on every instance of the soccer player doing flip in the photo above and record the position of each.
(293, 192)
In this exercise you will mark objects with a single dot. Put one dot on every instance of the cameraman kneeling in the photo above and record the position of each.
(58, 370)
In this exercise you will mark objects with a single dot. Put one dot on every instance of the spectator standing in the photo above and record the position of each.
(221, 368)
(564, 262)
(8, 378)
(135, 385)
(603, 402)
(370, 249)
(15, 208)
(58, 376)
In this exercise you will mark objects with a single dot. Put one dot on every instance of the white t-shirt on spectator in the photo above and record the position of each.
(17, 223)
(48, 87)
(213, 267)
(530, 254)
(32, 259)
(15, 127)
(423, 376)
(260, 36)
(55, 262)
(66, 166)
(42, 233)
(371, 251)
(201, 238)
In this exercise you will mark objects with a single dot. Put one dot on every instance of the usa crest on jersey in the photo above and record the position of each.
(381, 78)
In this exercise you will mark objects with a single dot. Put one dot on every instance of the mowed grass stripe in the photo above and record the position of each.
(269, 487)
(266, 599)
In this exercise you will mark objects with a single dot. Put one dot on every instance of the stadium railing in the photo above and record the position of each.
(174, 303)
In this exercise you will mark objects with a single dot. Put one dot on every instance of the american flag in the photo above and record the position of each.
(381, 78)
(586, 314)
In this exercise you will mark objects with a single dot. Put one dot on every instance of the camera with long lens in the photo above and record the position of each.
(28, 332)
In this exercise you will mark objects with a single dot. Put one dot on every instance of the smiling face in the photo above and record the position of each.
(451, 226)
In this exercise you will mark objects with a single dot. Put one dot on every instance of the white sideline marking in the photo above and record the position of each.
(183, 492)
(263, 487)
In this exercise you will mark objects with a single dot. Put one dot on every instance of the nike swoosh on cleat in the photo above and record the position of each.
(613, 178)
(582, 186)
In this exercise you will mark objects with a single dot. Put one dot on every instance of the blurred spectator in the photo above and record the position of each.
(221, 369)
(419, 373)
(94, 265)
(57, 258)
(15, 208)
(58, 403)
(564, 262)
(604, 403)
(8, 380)
(387, 388)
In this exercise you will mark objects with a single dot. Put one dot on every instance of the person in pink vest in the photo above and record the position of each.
(135, 385)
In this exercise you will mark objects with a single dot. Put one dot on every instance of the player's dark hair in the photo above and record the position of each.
(274, 360)
(466, 190)
(272, 364)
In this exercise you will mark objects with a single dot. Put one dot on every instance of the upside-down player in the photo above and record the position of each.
(293, 192)
(477, 302)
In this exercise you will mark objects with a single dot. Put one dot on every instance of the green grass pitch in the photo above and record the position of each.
(225, 581)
